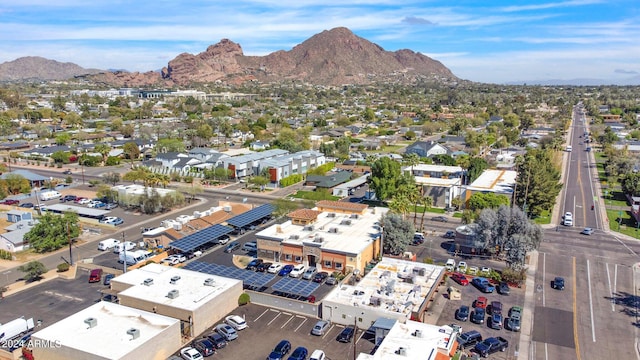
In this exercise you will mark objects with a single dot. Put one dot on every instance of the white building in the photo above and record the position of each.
(501, 182)
(394, 289)
(108, 331)
(416, 340)
(128, 194)
(198, 300)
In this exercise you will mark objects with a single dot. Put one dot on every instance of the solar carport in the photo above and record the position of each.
(251, 279)
(247, 218)
(194, 241)
(296, 287)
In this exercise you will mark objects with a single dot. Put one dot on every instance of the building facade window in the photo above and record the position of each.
(327, 264)
(287, 257)
(298, 259)
(338, 266)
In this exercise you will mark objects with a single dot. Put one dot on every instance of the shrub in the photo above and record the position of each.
(5, 255)
(513, 276)
(244, 299)
(63, 267)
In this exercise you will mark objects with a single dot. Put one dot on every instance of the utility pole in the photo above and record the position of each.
(355, 336)
(124, 251)
(70, 247)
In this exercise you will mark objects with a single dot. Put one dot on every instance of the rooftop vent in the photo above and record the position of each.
(331, 215)
(148, 282)
(92, 322)
(308, 228)
(333, 230)
(227, 209)
(375, 301)
(175, 279)
(345, 222)
(135, 333)
(354, 216)
(209, 282)
(318, 239)
(294, 237)
(173, 294)
(401, 351)
(417, 333)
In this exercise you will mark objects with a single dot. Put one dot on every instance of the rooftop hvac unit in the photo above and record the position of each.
(401, 351)
(308, 228)
(209, 282)
(135, 333)
(91, 322)
(333, 230)
(354, 216)
(375, 301)
(331, 215)
(197, 214)
(318, 239)
(345, 222)
(175, 279)
(206, 213)
(294, 237)
(227, 208)
(173, 294)
(420, 271)
(177, 226)
(148, 282)
(418, 333)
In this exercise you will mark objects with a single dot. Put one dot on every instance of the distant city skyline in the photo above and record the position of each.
(493, 42)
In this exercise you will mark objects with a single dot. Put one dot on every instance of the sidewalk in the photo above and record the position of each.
(523, 348)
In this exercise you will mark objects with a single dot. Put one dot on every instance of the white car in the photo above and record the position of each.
(568, 219)
(190, 353)
(224, 239)
(236, 322)
(297, 271)
(473, 270)
(485, 270)
(462, 267)
(84, 201)
(274, 268)
(107, 219)
(171, 260)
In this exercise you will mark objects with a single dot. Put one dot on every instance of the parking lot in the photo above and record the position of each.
(266, 327)
(469, 294)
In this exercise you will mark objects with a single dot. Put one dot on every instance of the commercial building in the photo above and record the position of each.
(501, 182)
(441, 183)
(249, 165)
(198, 300)
(393, 289)
(416, 340)
(108, 331)
(297, 163)
(334, 236)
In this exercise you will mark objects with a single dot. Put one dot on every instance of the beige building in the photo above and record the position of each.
(108, 331)
(334, 236)
(198, 300)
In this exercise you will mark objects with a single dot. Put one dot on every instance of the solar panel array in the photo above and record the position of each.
(199, 238)
(248, 277)
(251, 215)
(292, 286)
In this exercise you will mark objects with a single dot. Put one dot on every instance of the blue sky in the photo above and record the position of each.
(485, 41)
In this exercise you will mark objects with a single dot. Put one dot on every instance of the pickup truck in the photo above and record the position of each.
(483, 284)
(491, 345)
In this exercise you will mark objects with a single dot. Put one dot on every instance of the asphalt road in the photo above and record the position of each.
(595, 316)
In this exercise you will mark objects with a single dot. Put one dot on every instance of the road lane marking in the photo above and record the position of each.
(546, 352)
(544, 269)
(615, 281)
(575, 312)
(613, 308)
(593, 330)
(625, 245)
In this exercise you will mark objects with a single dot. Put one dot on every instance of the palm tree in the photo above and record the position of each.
(414, 195)
(411, 159)
(399, 204)
(427, 202)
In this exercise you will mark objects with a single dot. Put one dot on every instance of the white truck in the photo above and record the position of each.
(107, 244)
(15, 328)
(134, 257)
(127, 245)
(49, 195)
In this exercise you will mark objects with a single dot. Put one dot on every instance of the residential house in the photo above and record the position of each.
(259, 145)
(34, 179)
(45, 151)
(249, 164)
(290, 164)
(427, 149)
(12, 239)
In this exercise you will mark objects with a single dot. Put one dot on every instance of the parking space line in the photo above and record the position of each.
(304, 320)
(285, 324)
(360, 337)
(286, 313)
(264, 312)
(593, 330)
(274, 319)
(327, 333)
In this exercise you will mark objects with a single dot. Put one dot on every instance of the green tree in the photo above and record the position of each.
(385, 177)
(259, 181)
(285, 206)
(538, 181)
(170, 145)
(17, 184)
(63, 138)
(111, 178)
(631, 183)
(397, 234)
(61, 157)
(131, 151)
(53, 232)
(479, 201)
(33, 270)
(476, 167)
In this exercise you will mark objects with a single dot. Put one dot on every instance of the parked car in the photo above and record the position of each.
(586, 231)
(477, 316)
(95, 275)
(346, 335)
(331, 280)
(263, 267)
(440, 218)
(253, 264)
(236, 322)
(480, 302)
(189, 353)
(232, 246)
(297, 271)
(10, 202)
(462, 314)
(68, 198)
(227, 332)
(286, 270)
(496, 307)
(450, 234)
(111, 206)
(274, 268)
(115, 221)
(558, 283)
(320, 328)
(218, 340)
(483, 284)
(204, 346)
(462, 267)
(26, 205)
(320, 277)
(300, 353)
(503, 288)
(279, 352)
(513, 322)
(107, 279)
(460, 279)
(496, 321)
(473, 270)
(309, 273)
(469, 338)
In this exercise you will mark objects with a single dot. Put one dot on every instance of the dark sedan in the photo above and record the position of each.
(26, 205)
(346, 335)
(280, 350)
(462, 314)
(440, 218)
(300, 353)
(285, 270)
(232, 246)
(321, 277)
(263, 266)
(218, 340)
(205, 346)
(253, 265)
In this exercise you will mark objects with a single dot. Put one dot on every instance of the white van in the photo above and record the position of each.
(49, 195)
(107, 244)
(128, 245)
(450, 264)
(569, 148)
(134, 257)
(250, 246)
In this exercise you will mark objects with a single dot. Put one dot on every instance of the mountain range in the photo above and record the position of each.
(332, 57)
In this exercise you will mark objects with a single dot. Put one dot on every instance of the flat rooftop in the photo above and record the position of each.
(419, 341)
(393, 285)
(437, 181)
(434, 168)
(192, 293)
(497, 181)
(109, 338)
(341, 233)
